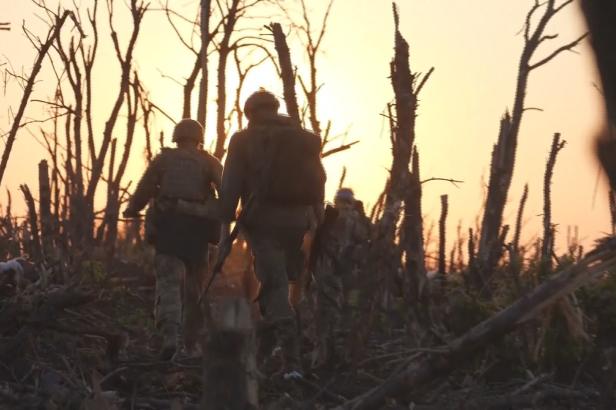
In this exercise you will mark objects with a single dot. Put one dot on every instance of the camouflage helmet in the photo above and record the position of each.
(260, 100)
(188, 129)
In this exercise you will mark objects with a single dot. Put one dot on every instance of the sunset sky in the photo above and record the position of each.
(474, 46)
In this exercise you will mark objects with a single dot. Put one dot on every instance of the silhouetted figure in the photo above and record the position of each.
(274, 167)
(182, 182)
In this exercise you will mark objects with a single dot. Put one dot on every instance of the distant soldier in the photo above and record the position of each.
(182, 183)
(274, 167)
(336, 269)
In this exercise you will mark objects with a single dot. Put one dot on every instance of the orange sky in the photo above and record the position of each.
(474, 47)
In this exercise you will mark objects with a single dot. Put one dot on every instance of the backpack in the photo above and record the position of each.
(290, 168)
(184, 176)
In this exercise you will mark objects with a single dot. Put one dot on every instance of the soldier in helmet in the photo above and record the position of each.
(336, 270)
(182, 183)
(274, 167)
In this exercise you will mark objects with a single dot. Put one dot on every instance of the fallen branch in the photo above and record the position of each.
(429, 366)
(47, 308)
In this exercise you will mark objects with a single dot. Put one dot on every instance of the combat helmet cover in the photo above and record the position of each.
(261, 100)
(188, 129)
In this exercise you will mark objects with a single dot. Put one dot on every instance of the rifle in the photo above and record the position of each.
(225, 247)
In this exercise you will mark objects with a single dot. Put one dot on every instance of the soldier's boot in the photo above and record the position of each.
(169, 345)
(288, 341)
(325, 352)
(266, 341)
(168, 307)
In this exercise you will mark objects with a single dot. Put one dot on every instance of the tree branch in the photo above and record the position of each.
(566, 47)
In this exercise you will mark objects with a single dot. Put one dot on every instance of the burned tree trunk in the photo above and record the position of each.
(413, 240)
(113, 210)
(223, 54)
(501, 172)
(34, 244)
(286, 71)
(430, 365)
(404, 185)
(442, 240)
(45, 210)
(547, 248)
(403, 131)
(504, 153)
(205, 40)
(229, 379)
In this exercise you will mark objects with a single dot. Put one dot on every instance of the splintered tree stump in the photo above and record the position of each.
(428, 366)
(229, 380)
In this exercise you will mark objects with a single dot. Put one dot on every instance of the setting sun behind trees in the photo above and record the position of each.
(474, 47)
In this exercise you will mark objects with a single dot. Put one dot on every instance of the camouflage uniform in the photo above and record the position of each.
(336, 270)
(181, 181)
(275, 233)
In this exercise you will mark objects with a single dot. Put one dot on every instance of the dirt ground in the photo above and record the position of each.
(94, 346)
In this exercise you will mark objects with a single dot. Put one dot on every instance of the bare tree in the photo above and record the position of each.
(504, 152)
(287, 72)
(313, 45)
(138, 10)
(42, 50)
(405, 186)
(206, 9)
(547, 248)
(312, 40)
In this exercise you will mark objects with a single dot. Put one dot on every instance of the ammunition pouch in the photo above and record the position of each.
(150, 223)
(207, 209)
(205, 214)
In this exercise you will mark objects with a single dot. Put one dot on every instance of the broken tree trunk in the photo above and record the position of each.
(205, 40)
(504, 153)
(286, 71)
(413, 240)
(429, 365)
(224, 49)
(45, 210)
(547, 247)
(442, 225)
(405, 185)
(230, 360)
(35, 243)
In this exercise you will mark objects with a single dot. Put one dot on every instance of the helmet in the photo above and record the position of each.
(188, 129)
(260, 100)
(345, 195)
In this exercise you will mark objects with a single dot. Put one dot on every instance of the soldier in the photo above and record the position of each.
(274, 167)
(181, 182)
(336, 269)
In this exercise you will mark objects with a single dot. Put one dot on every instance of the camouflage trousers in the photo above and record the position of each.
(177, 309)
(277, 258)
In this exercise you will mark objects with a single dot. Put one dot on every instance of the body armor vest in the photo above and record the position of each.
(185, 176)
